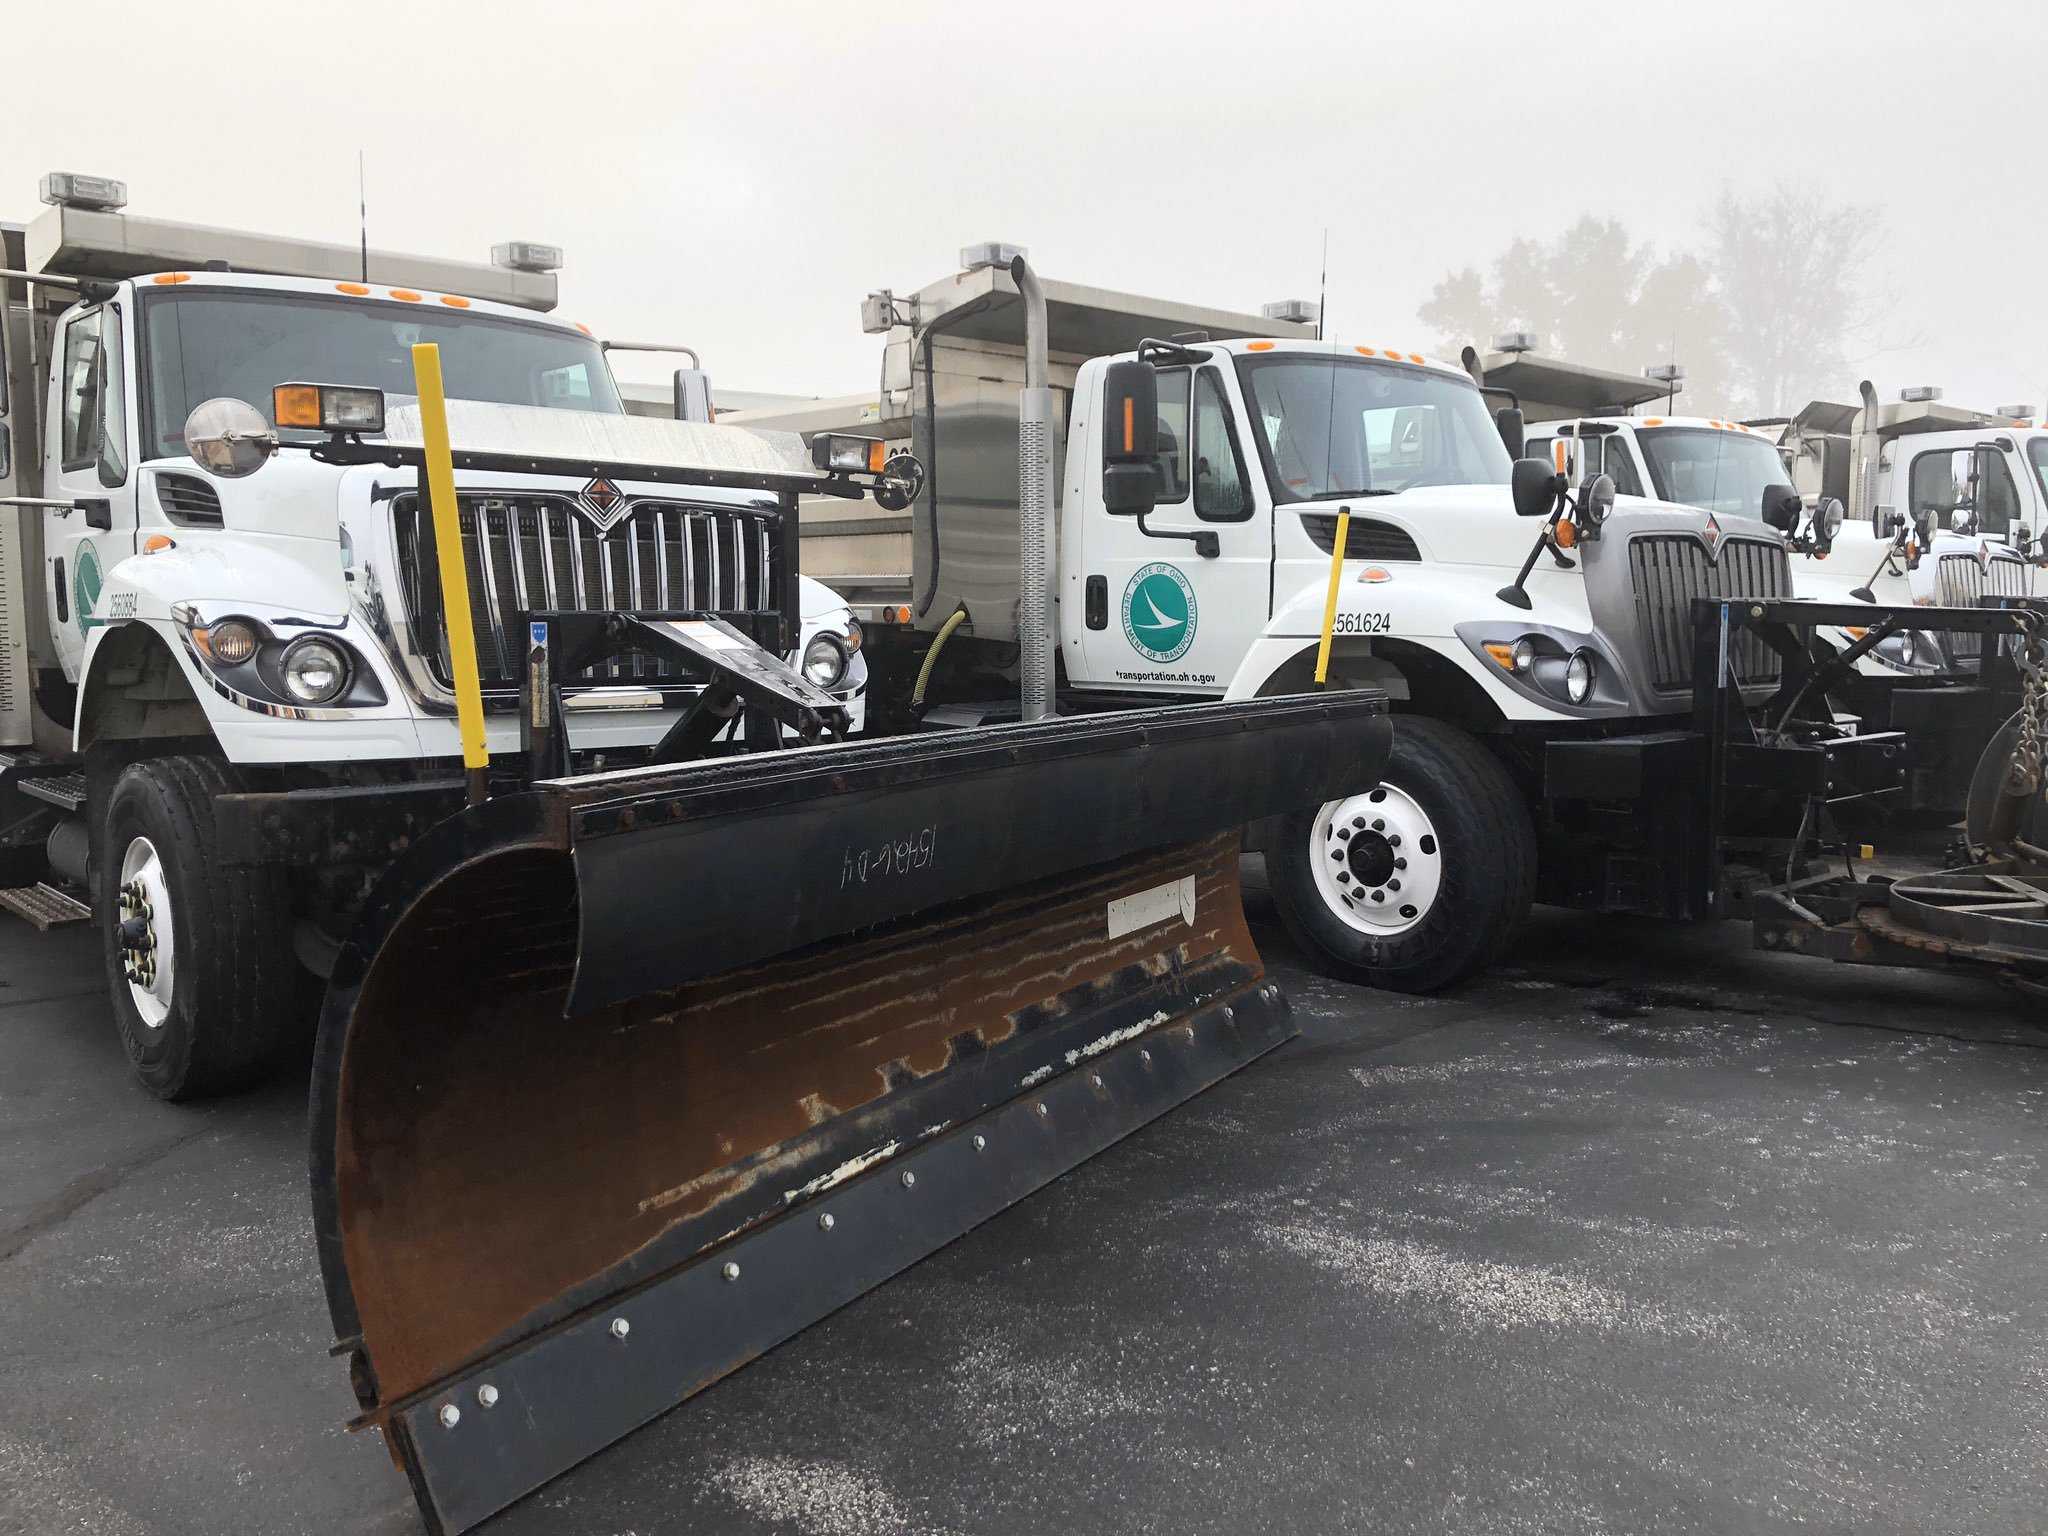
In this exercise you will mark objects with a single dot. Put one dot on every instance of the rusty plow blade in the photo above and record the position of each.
(628, 1077)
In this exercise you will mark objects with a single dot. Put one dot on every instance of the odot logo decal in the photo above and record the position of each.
(85, 588)
(1159, 613)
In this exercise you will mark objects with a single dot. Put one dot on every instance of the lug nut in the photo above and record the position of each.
(730, 1269)
(909, 1179)
(620, 1327)
(825, 1222)
(980, 1142)
(1042, 1111)
(487, 1395)
(450, 1415)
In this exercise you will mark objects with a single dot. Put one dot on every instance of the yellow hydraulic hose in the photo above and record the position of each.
(1330, 602)
(924, 673)
(469, 694)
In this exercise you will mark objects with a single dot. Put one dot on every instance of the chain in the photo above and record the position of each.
(2024, 776)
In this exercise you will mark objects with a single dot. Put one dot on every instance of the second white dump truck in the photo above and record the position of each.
(1538, 667)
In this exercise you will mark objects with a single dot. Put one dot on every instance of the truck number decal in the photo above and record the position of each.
(898, 856)
(1363, 624)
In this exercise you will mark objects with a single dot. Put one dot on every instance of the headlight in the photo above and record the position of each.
(1907, 648)
(825, 661)
(230, 642)
(315, 670)
(1524, 656)
(853, 634)
(1578, 677)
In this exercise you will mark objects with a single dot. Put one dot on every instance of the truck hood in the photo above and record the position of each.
(1477, 524)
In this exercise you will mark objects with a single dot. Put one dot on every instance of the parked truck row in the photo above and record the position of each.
(360, 645)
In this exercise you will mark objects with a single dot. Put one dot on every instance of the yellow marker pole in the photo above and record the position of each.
(469, 692)
(1330, 602)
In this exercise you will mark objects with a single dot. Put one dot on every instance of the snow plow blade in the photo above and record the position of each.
(625, 1078)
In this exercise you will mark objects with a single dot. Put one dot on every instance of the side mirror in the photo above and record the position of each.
(1963, 519)
(1130, 428)
(1508, 421)
(1596, 500)
(693, 395)
(1781, 508)
(1893, 523)
(1537, 487)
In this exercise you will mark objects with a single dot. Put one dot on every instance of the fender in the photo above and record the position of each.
(1418, 606)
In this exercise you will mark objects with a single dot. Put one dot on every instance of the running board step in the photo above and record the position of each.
(66, 791)
(44, 905)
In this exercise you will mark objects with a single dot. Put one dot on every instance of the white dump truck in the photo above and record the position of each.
(174, 630)
(1532, 674)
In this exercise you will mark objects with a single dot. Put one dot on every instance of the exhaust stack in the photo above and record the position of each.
(1035, 501)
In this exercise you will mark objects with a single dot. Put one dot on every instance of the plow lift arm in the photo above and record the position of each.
(623, 1078)
(1991, 915)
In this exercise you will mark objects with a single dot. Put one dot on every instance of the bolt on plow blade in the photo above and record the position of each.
(626, 1078)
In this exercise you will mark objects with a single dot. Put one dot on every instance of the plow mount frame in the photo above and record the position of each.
(1859, 919)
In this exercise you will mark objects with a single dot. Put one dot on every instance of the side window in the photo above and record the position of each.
(112, 450)
(1221, 494)
(1621, 467)
(1173, 435)
(1951, 480)
(1537, 448)
(80, 382)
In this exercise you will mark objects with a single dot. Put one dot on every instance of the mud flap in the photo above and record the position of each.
(626, 1078)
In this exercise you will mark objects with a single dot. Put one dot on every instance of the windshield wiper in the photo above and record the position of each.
(1342, 495)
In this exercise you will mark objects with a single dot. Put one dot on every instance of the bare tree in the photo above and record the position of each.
(1597, 298)
(1789, 266)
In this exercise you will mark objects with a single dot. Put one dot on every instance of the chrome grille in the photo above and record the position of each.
(1669, 570)
(526, 553)
(1959, 581)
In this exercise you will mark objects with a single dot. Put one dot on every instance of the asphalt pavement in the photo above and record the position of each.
(1646, 1231)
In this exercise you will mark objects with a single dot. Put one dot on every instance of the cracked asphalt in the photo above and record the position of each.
(1646, 1231)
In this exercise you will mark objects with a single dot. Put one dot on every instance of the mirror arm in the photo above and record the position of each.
(1207, 545)
(1512, 593)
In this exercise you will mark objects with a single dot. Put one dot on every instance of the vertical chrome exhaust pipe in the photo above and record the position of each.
(1035, 454)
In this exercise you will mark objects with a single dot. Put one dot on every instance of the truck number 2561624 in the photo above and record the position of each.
(1362, 624)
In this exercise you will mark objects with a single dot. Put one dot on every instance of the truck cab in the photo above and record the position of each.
(188, 618)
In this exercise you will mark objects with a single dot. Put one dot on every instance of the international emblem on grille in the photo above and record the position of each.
(1984, 556)
(602, 503)
(1712, 534)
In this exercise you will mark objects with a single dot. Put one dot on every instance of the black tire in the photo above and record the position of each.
(1488, 869)
(232, 980)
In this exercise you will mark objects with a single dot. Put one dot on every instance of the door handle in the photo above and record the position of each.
(61, 592)
(98, 510)
(1096, 602)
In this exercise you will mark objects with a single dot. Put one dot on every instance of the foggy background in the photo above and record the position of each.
(1785, 197)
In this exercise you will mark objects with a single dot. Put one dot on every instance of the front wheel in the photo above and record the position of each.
(198, 956)
(1415, 883)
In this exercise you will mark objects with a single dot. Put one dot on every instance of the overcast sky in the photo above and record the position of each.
(737, 176)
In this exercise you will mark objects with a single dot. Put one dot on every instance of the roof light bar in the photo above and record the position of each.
(527, 256)
(1665, 373)
(1295, 311)
(2016, 412)
(989, 253)
(68, 189)
(1920, 394)
(1518, 342)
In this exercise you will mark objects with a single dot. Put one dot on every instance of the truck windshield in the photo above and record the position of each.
(198, 345)
(1713, 469)
(2037, 455)
(1329, 427)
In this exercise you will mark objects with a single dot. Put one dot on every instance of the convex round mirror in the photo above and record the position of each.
(228, 437)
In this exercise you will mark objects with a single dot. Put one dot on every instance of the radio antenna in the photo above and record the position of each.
(363, 215)
(1323, 289)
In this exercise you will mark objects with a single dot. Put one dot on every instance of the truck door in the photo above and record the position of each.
(89, 451)
(1160, 616)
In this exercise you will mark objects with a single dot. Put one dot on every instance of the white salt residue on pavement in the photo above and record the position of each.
(1475, 1294)
(815, 1498)
(1011, 1394)
(1512, 1069)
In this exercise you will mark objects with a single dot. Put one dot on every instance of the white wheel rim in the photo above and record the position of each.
(1378, 863)
(144, 906)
